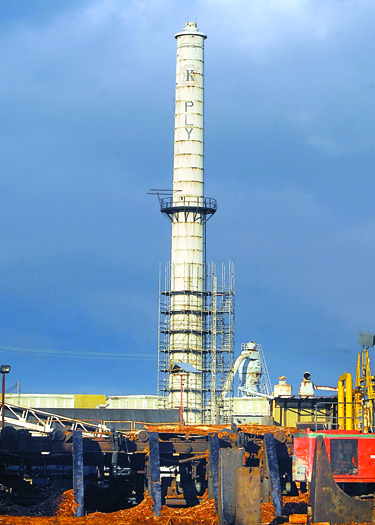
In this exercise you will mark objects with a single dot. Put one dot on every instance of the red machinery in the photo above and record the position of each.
(351, 455)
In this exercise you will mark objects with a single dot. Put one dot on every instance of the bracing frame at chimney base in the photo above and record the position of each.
(216, 354)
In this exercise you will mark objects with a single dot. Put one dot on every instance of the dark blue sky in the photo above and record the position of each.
(86, 124)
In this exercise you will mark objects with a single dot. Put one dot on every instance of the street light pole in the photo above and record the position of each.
(3, 402)
(182, 398)
(181, 404)
(4, 369)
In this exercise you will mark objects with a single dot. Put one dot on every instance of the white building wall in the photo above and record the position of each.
(41, 400)
(144, 402)
(254, 406)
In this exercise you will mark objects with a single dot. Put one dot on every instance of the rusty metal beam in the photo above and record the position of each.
(248, 501)
(78, 478)
(230, 459)
(154, 471)
(328, 502)
(213, 442)
(274, 475)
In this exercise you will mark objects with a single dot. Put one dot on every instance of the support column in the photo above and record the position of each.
(78, 478)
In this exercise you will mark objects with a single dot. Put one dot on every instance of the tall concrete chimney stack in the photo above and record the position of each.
(185, 348)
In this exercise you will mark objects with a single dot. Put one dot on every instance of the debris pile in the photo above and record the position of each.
(296, 504)
(268, 513)
(66, 504)
(292, 505)
(48, 507)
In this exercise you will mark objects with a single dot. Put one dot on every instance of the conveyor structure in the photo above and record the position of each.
(35, 420)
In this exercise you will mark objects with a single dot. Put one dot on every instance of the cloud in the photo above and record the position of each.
(327, 145)
(286, 59)
(87, 128)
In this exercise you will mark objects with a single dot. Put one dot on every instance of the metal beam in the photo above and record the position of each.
(78, 480)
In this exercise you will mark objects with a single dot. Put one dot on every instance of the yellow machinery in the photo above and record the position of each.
(345, 402)
(356, 407)
(364, 393)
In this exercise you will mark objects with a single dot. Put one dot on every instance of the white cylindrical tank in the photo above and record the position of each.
(282, 389)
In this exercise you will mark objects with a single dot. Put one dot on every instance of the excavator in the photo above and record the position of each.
(350, 443)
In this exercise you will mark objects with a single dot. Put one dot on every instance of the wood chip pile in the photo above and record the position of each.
(203, 514)
(203, 430)
(142, 513)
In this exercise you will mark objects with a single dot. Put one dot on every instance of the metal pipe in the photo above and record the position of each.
(345, 402)
(349, 402)
(341, 403)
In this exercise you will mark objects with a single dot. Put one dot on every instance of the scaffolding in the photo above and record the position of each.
(214, 320)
